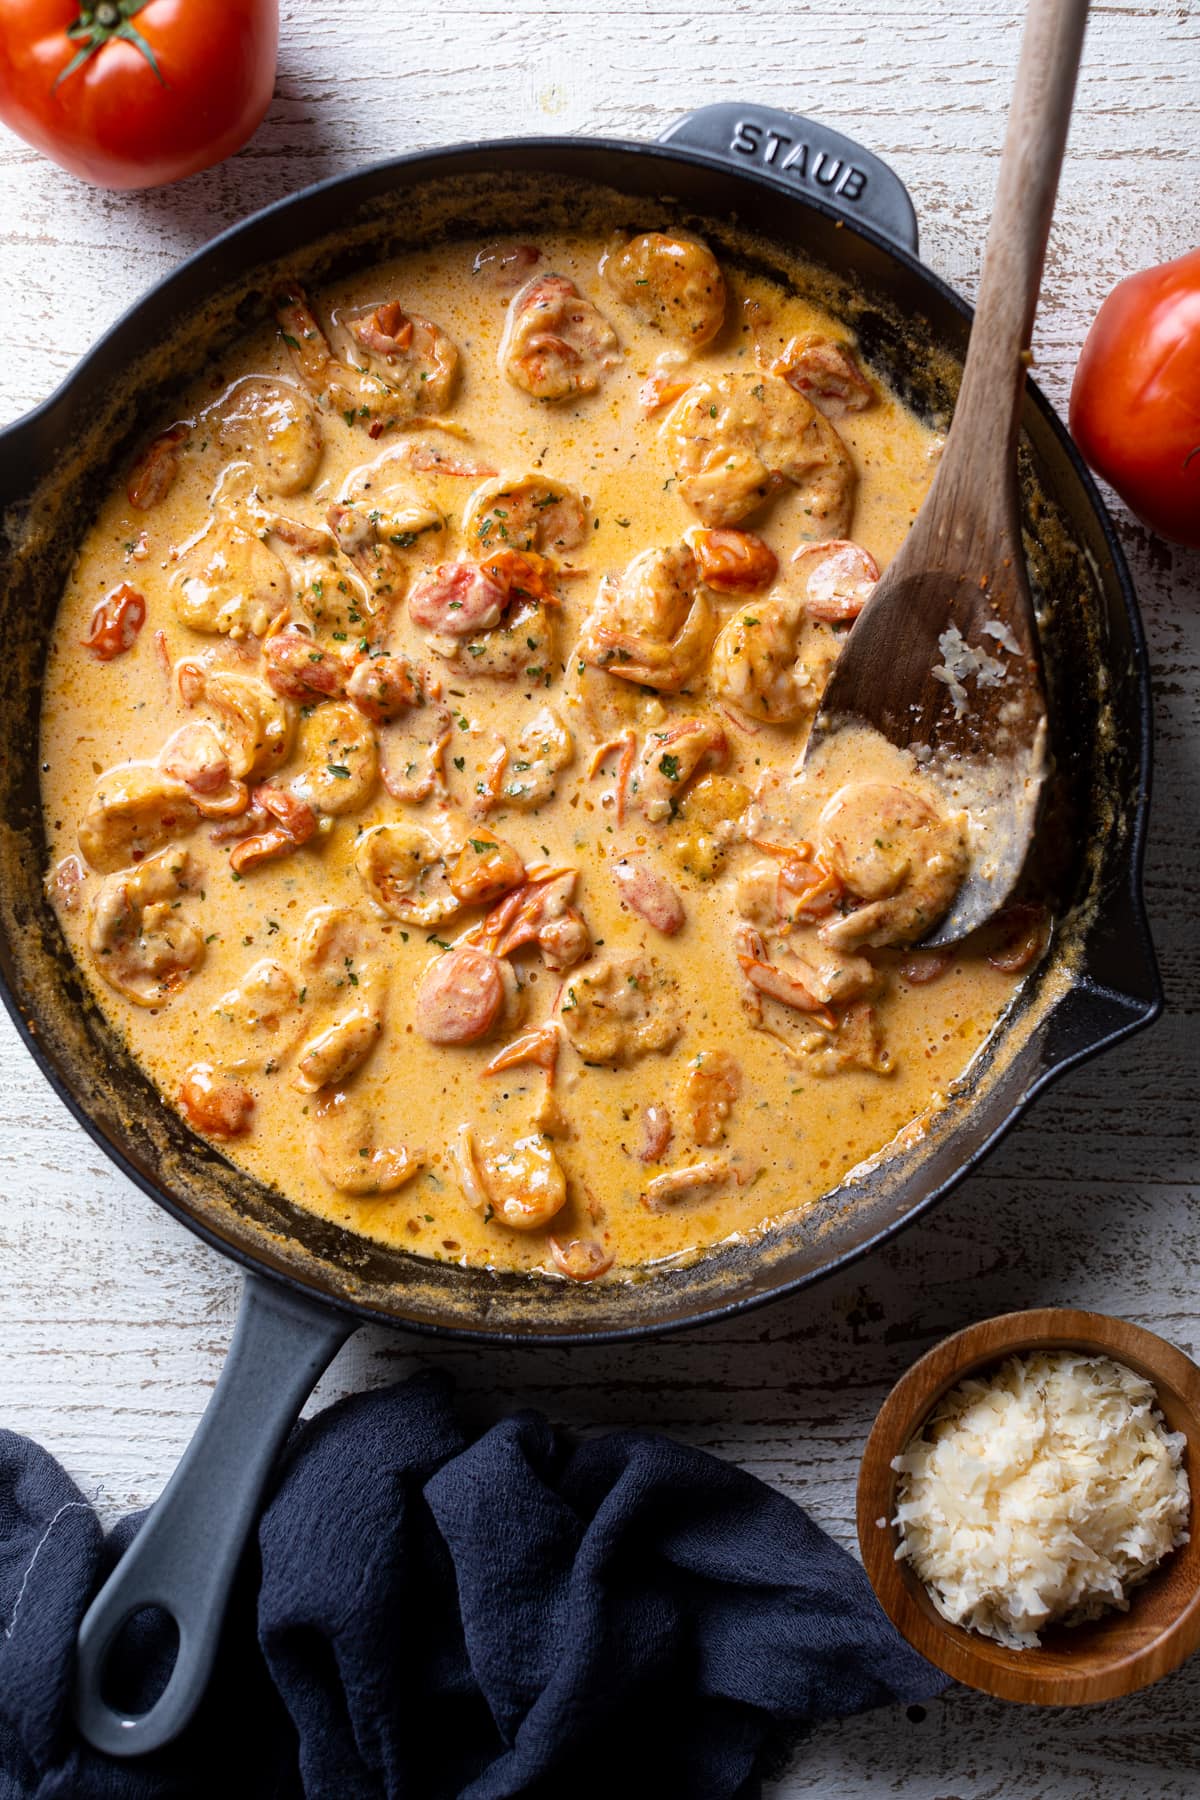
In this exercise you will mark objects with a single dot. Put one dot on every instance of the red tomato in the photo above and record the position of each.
(1135, 403)
(116, 623)
(135, 93)
(735, 562)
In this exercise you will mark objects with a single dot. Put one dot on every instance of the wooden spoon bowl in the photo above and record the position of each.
(944, 661)
(1075, 1665)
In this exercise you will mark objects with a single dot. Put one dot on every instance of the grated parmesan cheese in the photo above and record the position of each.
(961, 661)
(1003, 635)
(1041, 1495)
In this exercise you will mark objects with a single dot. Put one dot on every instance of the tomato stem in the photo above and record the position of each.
(98, 25)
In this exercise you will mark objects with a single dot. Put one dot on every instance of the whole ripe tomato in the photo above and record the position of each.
(135, 93)
(1135, 402)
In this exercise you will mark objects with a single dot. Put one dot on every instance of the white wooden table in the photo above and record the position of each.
(113, 1320)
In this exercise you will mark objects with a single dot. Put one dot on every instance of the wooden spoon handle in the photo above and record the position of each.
(989, 403)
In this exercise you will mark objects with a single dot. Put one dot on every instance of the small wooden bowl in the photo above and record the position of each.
(1075, 1665)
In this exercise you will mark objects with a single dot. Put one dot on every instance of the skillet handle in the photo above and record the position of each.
(798, 153)
(185, 1556)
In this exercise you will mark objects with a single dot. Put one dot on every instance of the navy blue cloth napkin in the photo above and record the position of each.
(424, 1618)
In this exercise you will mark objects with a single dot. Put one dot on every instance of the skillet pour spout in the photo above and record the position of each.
(766, 188)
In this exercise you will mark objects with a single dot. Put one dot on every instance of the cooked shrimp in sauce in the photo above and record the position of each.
(428, 818)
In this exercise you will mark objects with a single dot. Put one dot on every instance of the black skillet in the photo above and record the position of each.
(730, 171)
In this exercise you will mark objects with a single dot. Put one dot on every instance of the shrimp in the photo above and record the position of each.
(852, 1039)
(135, 809)
(835, 977)
(524, 646)
(899, 858)
(415, 358)
(486, 868)
(539, 913)
(670, 759)
(153, 474)
(404, 349)
(257, 728)
(768, 664)
(431, 459)
(337, 949)
(403, 868)
(671, 282)
(736, 440)
(228, 582)
(522, 1186)
(457, 600)
(384, 687)
(325, 585)
(340, 757)
(414, 748)
(657, 1131)
(140, 941)
(272, 425)
(786, 978)
(339, 955)
(542, 751)
(332, 1055)
(807, 989)
(649, 894)
(214, 1104)
(654, 625)
(733, 561)
(618, 1009)
(524, 512)
(465, 995)
(826, 373)
(556, 344)
(196, 755)
(379, 521)
(469, 606)
(580, 1259)
(295, 823)
(858, 1043)
(255, 1023)
(373, 540)
(676, 1184)
(839, 579)
(777, 896)
(707, 1094)
(612, 710)
(342, 1145)
(297, 668)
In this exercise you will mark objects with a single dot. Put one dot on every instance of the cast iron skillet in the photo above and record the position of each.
(732, 171)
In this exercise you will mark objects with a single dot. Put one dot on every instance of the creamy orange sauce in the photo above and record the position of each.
(802, 1096)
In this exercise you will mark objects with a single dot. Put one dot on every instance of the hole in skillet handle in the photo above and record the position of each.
(805, 157)
(186, 1554)
(141, 1659)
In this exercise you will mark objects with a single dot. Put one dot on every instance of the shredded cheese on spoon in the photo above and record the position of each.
(1041, 1495)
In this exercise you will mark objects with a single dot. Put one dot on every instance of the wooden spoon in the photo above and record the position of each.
(957, 592)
